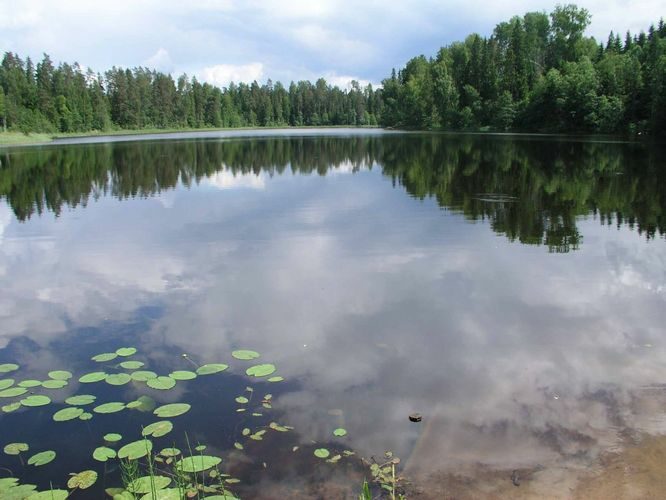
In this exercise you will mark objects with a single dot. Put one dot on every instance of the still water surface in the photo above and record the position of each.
(510, 289)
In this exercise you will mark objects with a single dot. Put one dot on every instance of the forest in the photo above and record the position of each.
(539, 72)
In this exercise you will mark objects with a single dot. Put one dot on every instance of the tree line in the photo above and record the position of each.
(538, 72)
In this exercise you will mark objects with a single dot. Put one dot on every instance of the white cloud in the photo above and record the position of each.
(223, 74)
(160, 60)
(227, 180)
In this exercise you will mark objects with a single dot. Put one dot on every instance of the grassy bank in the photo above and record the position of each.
(18, 138)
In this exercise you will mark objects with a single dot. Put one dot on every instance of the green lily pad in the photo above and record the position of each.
(260, 370)
(143, 375)
(170, 452)
(104, 357)
(200, 448)
(126, 351)
(28, 384)
(137, 449)
(82, 480)
(321, 453)
(148, 484)
(7, 382)
(245, 354)
(11, 407)
(242, 400)
(42, 458)
(102, 454)
(143, 404)
(35, 400)
(60, 375)
(68, 414)
(161, 383)
(172, 410)
(276, 379)
(183, 375)
(339, 432)
(238, 446)
(211, 368)
(8, 367)
(16, 448)
(197, 463)
(54, 384)
(49, 495)
(158, 429)
(85, 416)
(112, 437)
(109, 407)
(167, 494)
(89, 378)
(131, 365)
(13, 392)
(118, 379)
(81, 400)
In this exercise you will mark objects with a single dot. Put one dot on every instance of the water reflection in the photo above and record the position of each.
(373, 304)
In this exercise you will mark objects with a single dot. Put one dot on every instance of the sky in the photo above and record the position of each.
(219, 41)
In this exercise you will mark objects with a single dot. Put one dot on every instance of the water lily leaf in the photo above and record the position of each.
(82, 480)
(16, 448)
(197, 463)
(89, 378)
(161, 383)
(170, 452)
(8, 367)
(238, 446)
(211, 368)
(242, 400)
(29, 383)
(35, 400)
(277, 427)
(146, 484)
(54, 384)
(137, 449)
(131, 365)
(172, 410)
(85, 416)
(68, 414)
(245, 354)
(104, 357)
(20, 491)
(102, 454)
(167, 494)
(260, 370)
(126, 351)
(246, 432)
(13, 392)
(42, 458)
(321, 453)
(8, 382)
(112, 437)
(11, 407)
(224, 496)
(118, 379)
(109, 407)
(60, 375)
(158, 429)
(49, 495)
(276, 379)
(143, 375)
(183, 375)
(339, 432)
(143, 404)
(81, 400)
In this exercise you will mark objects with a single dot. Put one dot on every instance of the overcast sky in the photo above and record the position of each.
(244, 40)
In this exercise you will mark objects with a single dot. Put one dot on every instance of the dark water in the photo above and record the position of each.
(510, 289)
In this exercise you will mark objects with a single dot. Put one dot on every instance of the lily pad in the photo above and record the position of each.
(35, 400)
(339, 432)
(109, 407)
(242, 400)
(148, 484)
(42, 458)
(158, 429)
(183, 375)
(223, 496)
(260, 370)
(126, 351)
(102, 454)
(89, 378)
(118, 379)
(112, 437)
(172, 410)
(276, 379)
(197, 463)
(81, 400)
(170, 452)
(245, 354)
(137, 449)
(8, 367)
(54, 384)
(49, 495)
(7, 382)
(167, 494)
(161, 383)
(321, 453)
(16, 448)
(68, 414)
(82, 480)
(85, 416)
(143, 375)
(60, 375)
(211, 368)
(104, 357)
(13, 392)
(131, 365)
(29, 383)
(11, 407)
(143, 404)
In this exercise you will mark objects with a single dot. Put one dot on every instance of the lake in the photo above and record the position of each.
(510, 289)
